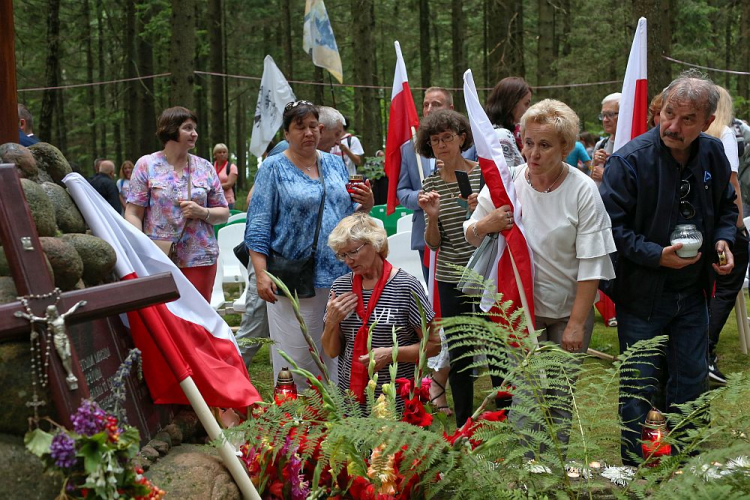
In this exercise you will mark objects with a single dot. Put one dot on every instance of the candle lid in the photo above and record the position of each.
(655, 418)
(285, 376)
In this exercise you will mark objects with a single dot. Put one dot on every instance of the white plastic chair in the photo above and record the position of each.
(401, 255)
(379, 222)
(217, 293)
(240, 216)
(404, 224)
(232, 270)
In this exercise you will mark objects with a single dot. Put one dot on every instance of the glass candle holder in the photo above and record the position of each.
(691, 240)
(285, 389)
(652, 438)
(354, 179)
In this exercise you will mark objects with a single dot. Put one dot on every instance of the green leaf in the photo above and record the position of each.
(38, 442)
(92, 456)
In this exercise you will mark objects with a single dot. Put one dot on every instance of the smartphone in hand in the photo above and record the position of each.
(464, 186)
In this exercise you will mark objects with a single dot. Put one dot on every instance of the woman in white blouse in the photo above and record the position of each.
(566, 224)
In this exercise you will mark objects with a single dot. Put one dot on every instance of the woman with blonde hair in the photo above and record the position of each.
(728, 286)
(123, 183)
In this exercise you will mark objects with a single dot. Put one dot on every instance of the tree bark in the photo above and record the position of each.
(52, 71)
(743, 85)
(101, 70)
(200, 89)
(545, 72)
(216, 65)
(425, 58)
(659, 36)
(90, 95)
(286, 19)
(239, 129)
(147, 140)
(182, 53)
(505, 29)
(457, 51)
(366, 101)
(130, 87)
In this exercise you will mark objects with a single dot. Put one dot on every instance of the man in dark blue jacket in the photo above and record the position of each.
(671, 175)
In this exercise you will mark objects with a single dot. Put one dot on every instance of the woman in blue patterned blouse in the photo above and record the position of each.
(282, 217)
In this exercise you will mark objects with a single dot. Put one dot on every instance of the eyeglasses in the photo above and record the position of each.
(609, 115)
(341, 257)
(434, 141)
(294, 104)
(687, 210)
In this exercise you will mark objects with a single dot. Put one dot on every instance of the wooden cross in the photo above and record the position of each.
(31, 277)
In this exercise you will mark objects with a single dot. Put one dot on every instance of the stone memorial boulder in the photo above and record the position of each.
(21, 157)
(67, 266)
(24, 475)
(41, 208)
(8, 291)
(98, 257)
(67, 216)
(49, 159)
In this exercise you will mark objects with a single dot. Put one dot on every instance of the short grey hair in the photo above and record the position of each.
(613, 97)
(362, 228)
(329, 117)
(696, 87)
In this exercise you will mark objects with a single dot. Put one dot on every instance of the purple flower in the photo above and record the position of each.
(89, 419)
(300, 488)
(63, 450)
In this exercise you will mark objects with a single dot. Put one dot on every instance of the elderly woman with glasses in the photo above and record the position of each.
(606, 146)
(281, 222)
(374, 292)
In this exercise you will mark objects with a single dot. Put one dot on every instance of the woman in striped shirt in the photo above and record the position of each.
(374, 292)
(443, 135)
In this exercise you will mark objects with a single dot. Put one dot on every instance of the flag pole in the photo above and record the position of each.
(226, 450)
(330, 83)
(419, 157)
(524, 301)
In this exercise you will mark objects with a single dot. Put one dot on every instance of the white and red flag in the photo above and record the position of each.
(181, 339)
(402, 121)
(633, 118)
(516, 284)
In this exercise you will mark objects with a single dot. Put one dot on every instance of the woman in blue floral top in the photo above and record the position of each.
(282, 217)
(158, 202)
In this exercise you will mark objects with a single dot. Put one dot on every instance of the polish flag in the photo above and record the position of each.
(186, 335)
(513, 271)
(633, 118)
(402, 120)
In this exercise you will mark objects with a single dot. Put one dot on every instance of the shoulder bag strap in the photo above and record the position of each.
(322, 202)
(190, 198)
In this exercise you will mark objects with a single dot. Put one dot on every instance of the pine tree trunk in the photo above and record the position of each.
(239, 128)
(216, 65)
(743, 85)
(545, 47)
(90, 95)
(319, 91)
(200, 91)
(147, 141)
(101, 70)
(286, 20)
(366, 99)
(424, 43)
(659, 15)
(457, 51)
(130, 87)
(182, 53)
(52, 71)
(505, 36)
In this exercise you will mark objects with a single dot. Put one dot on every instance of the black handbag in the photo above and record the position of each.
(240, 251)
(299, 274)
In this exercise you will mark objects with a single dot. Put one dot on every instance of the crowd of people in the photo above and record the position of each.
(598, 221)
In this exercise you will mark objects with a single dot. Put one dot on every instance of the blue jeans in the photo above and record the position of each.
(684, 319)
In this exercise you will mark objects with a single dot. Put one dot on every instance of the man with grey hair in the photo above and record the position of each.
(673, 175)
(332, 127)
(26, 126)
(605, 146)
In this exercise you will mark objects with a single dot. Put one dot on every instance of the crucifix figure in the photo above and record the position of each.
(56, 327)
(37, 292)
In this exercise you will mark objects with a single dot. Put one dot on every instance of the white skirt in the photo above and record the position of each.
(287, 336)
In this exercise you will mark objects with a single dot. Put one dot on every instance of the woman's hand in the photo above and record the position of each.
(338, 308)
(498, 220)
(572, 339)
(266, 287)
(363, 195)
(191, 210)
(383, 357)
(430, 203)
(473, 200)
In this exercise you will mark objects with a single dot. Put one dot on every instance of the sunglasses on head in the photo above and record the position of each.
(294, 104)
(686, 208)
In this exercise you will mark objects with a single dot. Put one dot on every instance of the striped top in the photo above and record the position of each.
(396, 308)
(454, 249)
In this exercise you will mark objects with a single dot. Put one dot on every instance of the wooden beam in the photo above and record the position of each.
(8, 99)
